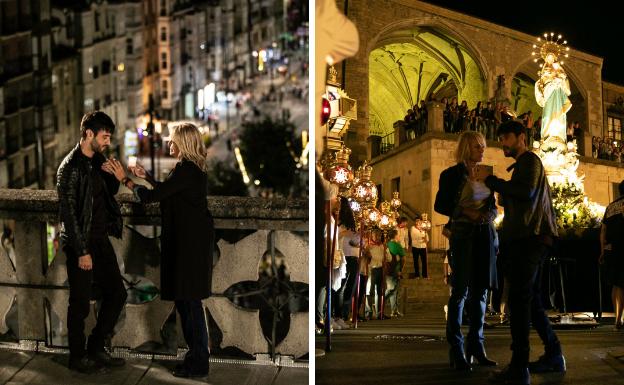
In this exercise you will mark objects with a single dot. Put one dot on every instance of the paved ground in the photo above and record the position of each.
(389, 352)
(51, 369)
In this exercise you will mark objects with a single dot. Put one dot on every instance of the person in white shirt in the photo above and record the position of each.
(419, 238)
(403, 237)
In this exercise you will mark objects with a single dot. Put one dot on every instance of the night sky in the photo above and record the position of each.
(592, 27)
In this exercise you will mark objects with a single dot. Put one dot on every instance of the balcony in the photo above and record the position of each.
(30, 178)
(251, 233)
(17, 67)
(48, 134)
(9, 25)
(29, 136)
(27, 99)
(11, 105)
(16, 183)
(13, 145)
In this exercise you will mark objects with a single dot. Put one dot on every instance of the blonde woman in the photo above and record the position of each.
(470, 205)
(186, 241)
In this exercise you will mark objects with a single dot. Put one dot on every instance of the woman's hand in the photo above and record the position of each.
(138, 171)
(117, 168)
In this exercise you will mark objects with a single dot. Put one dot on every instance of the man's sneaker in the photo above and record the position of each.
(511, 375)
(86, 365)
(551, 364)
(104, 358)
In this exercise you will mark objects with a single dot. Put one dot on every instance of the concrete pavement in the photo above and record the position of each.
(412, 350)
(51, 369)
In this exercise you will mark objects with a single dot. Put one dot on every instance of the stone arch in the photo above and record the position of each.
(426, 40)
(443, 26)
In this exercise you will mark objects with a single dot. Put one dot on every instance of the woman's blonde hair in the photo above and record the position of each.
(190, 143)
(463, 144)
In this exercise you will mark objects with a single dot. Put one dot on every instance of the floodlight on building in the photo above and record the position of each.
(121, 67)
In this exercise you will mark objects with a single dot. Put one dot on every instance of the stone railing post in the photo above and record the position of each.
(30, 257)
(584, 144)
(374, 146)
(435, 116)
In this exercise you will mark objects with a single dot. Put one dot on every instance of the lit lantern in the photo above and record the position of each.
(371, 217)
(339, 172)
(365, 191)
(355, 207)
(426, 224)
(395, 202)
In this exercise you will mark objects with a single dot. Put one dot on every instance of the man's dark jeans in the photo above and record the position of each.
(105, 276)
(524, 260)
(193, 320)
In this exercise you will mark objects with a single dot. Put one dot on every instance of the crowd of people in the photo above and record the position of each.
(485, 117)
(607, 149)
(363, 281)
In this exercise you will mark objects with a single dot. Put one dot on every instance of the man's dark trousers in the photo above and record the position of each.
(106, 276)
(525, 261)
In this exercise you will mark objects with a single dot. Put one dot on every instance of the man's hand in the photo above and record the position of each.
(107, 167)
(85, 262)
(118, 170)
(601, 258)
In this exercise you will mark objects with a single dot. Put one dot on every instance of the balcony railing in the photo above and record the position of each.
(252, 233)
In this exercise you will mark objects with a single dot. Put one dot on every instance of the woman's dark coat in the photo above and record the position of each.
(187, 232)
(467, 269)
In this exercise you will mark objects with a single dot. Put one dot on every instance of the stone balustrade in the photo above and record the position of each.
(258, 232)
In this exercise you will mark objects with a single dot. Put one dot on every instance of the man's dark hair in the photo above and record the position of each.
(96, 121)
(392, 233)
(621, 188)
(402, 219)
(511, 126)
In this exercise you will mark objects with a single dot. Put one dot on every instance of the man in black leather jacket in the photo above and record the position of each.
(89, 213)
(529, 228)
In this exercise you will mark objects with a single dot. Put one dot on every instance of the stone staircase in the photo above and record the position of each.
(421, 291)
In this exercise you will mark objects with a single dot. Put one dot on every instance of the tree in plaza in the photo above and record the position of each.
(223, 179)
(270, 151)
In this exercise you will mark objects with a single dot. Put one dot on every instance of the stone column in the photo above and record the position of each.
(30, 251)
(399, 133)
(584, 144)
(435, 116)
(374, 146)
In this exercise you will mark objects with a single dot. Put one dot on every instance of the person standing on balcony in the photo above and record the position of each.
(187, 239)
(528, 232)
(471, 207)
(89, 213)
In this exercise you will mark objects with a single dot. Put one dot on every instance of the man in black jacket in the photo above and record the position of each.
(89, 213)
(529, 228)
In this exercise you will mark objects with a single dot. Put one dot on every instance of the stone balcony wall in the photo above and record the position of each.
(253, 231)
